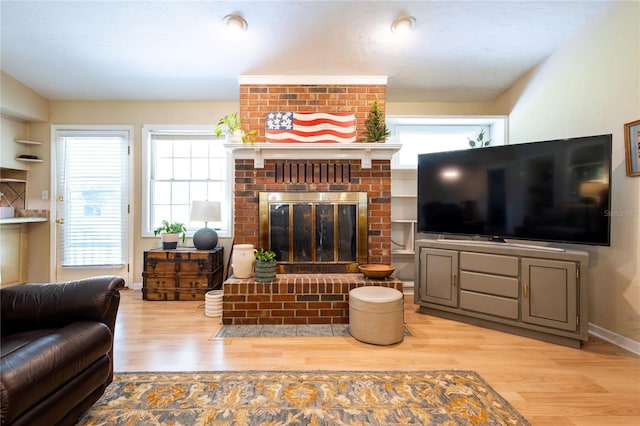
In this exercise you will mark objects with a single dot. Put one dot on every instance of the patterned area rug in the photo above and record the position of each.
(314, 330)
(301, 398)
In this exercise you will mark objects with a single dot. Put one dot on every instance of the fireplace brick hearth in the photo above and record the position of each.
(294, 298)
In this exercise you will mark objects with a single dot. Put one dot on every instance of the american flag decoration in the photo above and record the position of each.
(302, 127)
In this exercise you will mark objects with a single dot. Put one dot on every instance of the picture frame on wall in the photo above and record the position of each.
(632, 147)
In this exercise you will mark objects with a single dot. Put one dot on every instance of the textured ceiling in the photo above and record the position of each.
(459, 51)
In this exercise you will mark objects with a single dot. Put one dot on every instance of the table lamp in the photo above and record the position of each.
(205, 211)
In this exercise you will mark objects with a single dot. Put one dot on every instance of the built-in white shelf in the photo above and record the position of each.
(22, 220)
(27, 142)
(404, 208)
(13, 180)
(408, 245)
(403, 252)
(29, 160)
(261, 152)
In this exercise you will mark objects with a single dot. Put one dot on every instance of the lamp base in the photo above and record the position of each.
(205, 239)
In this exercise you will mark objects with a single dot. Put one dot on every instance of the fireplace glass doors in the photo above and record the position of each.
(315, 231)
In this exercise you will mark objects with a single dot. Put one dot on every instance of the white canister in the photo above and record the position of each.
(243, 260)
(213, 303)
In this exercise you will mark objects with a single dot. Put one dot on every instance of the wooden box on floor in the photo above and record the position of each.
(182, 274)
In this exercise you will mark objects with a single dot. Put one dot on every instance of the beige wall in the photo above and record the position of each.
(589, 87)
(20, 101)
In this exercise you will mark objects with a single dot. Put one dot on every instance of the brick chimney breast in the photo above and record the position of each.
(262, 94)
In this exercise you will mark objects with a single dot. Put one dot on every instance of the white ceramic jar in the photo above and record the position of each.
(242, 260)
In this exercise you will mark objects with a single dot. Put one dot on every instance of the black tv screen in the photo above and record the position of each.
(555, 191)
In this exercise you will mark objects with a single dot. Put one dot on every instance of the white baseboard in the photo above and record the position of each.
(615, 338)
(135, 286)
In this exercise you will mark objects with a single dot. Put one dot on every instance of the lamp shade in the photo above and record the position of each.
(205, 211)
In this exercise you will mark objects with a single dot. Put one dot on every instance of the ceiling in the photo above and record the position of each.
(459, 51)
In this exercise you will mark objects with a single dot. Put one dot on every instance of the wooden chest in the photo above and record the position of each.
(182, 274)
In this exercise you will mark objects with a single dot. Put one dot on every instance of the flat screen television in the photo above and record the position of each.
(553, 191)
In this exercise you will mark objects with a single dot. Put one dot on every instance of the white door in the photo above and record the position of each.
(92, 217)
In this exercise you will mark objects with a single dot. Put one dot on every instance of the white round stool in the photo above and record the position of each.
(376, 315)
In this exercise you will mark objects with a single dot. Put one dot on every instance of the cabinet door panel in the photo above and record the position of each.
(438, 276)
(549, 293)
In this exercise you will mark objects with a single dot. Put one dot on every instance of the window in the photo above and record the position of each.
(422, 135)
(182, 165)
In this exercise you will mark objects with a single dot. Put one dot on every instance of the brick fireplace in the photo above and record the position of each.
(256, 100)
(268, 168)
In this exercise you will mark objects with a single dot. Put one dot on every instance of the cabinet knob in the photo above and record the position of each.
(454, 279)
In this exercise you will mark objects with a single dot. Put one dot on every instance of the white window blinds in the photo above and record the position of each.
(92, 205)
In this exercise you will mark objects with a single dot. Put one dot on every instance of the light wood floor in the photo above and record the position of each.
(548, 384)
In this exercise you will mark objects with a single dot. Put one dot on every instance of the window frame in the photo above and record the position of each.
(496, 124)
(147, 131)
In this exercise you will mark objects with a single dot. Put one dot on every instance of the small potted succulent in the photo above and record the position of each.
(231, 126)
(170, 232)
(265, 266)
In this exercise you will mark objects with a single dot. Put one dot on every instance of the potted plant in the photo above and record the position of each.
(479, 142)
(265, 266)
(231, 126)
(169, 232)
(375, 128)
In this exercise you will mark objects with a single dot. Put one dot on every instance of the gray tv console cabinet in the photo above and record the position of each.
(534, 292)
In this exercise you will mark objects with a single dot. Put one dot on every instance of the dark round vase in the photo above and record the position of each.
(205, 239)
(265, 271)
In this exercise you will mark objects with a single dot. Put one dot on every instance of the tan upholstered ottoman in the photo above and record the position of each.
(376, 315)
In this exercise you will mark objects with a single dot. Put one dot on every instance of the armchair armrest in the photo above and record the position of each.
(54, 305)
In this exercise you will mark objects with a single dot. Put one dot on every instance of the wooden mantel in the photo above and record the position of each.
(365, 152)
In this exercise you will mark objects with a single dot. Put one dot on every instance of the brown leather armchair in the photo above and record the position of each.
(56, 349)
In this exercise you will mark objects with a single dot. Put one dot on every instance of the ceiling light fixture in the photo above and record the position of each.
(403, 24)
(235, 23)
